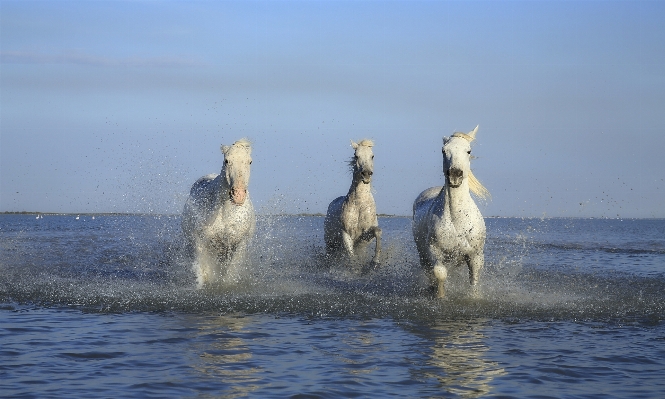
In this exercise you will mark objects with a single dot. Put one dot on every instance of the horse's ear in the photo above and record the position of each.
(354, 145)
(445, 139)
(472, 133)
(224, 148)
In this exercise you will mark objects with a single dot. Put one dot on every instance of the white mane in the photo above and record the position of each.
(243, 142)
(366, 143)
(475, 185)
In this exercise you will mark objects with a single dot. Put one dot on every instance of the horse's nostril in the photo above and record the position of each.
(455, 173)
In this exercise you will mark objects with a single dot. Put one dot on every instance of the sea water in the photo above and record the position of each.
(108, 307)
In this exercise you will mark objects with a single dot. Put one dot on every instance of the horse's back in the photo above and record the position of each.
(332, 224)
(424, 201)
(198, 203)
(202, 185)
(335, 208)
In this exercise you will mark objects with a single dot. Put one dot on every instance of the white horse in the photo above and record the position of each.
(218, 219)
(351, 220)
(447, 226)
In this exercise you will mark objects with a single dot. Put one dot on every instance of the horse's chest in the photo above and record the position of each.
(358, 218)
(230, 225)
(462, 236)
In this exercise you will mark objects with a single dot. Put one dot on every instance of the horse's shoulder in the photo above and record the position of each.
(429, 193)
(202, 183)
(203, 180)
(336, 204)
(426, 197)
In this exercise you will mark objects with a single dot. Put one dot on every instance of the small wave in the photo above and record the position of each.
(628, 250)
(143, 267)
(324, 293)
(92, 355)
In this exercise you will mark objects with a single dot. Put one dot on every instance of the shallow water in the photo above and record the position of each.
(109, 307)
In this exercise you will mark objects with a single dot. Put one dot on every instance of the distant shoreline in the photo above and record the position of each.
(381, 215)
(85, 213)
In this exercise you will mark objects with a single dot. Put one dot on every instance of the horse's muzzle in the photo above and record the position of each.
(455, 176)
(367, 176)
(238, 195)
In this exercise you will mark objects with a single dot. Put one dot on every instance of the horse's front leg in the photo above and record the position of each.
(349, 245)
(476, 261)
(440, 270)
(233, 263)
(374, 232)
(348, 242)
(377, 251)
(440, 273)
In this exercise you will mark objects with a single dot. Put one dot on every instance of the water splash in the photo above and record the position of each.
(139, 263)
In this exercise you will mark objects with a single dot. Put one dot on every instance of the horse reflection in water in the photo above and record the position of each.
(218, 219)
(457, 359)
(223, 355)
(351, 221)
(447, 225)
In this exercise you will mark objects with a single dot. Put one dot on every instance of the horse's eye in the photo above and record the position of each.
(469, 152)
(226, 161)
(250, 162)
(372, 156)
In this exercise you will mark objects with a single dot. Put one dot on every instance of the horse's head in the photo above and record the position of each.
(237, 158)
(457, 162)
(362, 162)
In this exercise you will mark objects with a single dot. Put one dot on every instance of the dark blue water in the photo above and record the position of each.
(108, 307)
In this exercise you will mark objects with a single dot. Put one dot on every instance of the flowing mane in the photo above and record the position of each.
(243, 143)
(475, 185)
(477, 188)
(468, 137)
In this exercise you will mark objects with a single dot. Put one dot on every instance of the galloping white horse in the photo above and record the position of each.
(447, 225)
(351, 220)
(218, 219)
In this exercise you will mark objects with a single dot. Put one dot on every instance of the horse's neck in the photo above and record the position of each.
(359, 191)
(222, 188)
(455, 199)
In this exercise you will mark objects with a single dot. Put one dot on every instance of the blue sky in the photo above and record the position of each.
(121, 106)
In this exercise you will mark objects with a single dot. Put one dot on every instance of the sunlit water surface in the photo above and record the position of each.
(108, 307)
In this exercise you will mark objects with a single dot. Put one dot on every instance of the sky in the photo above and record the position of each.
(119, 106)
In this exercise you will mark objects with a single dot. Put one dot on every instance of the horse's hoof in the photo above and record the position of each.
(433, 292)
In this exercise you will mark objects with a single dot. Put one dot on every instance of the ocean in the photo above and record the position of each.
(108, 307)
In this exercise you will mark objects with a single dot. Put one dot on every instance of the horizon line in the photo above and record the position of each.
(306, 214)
